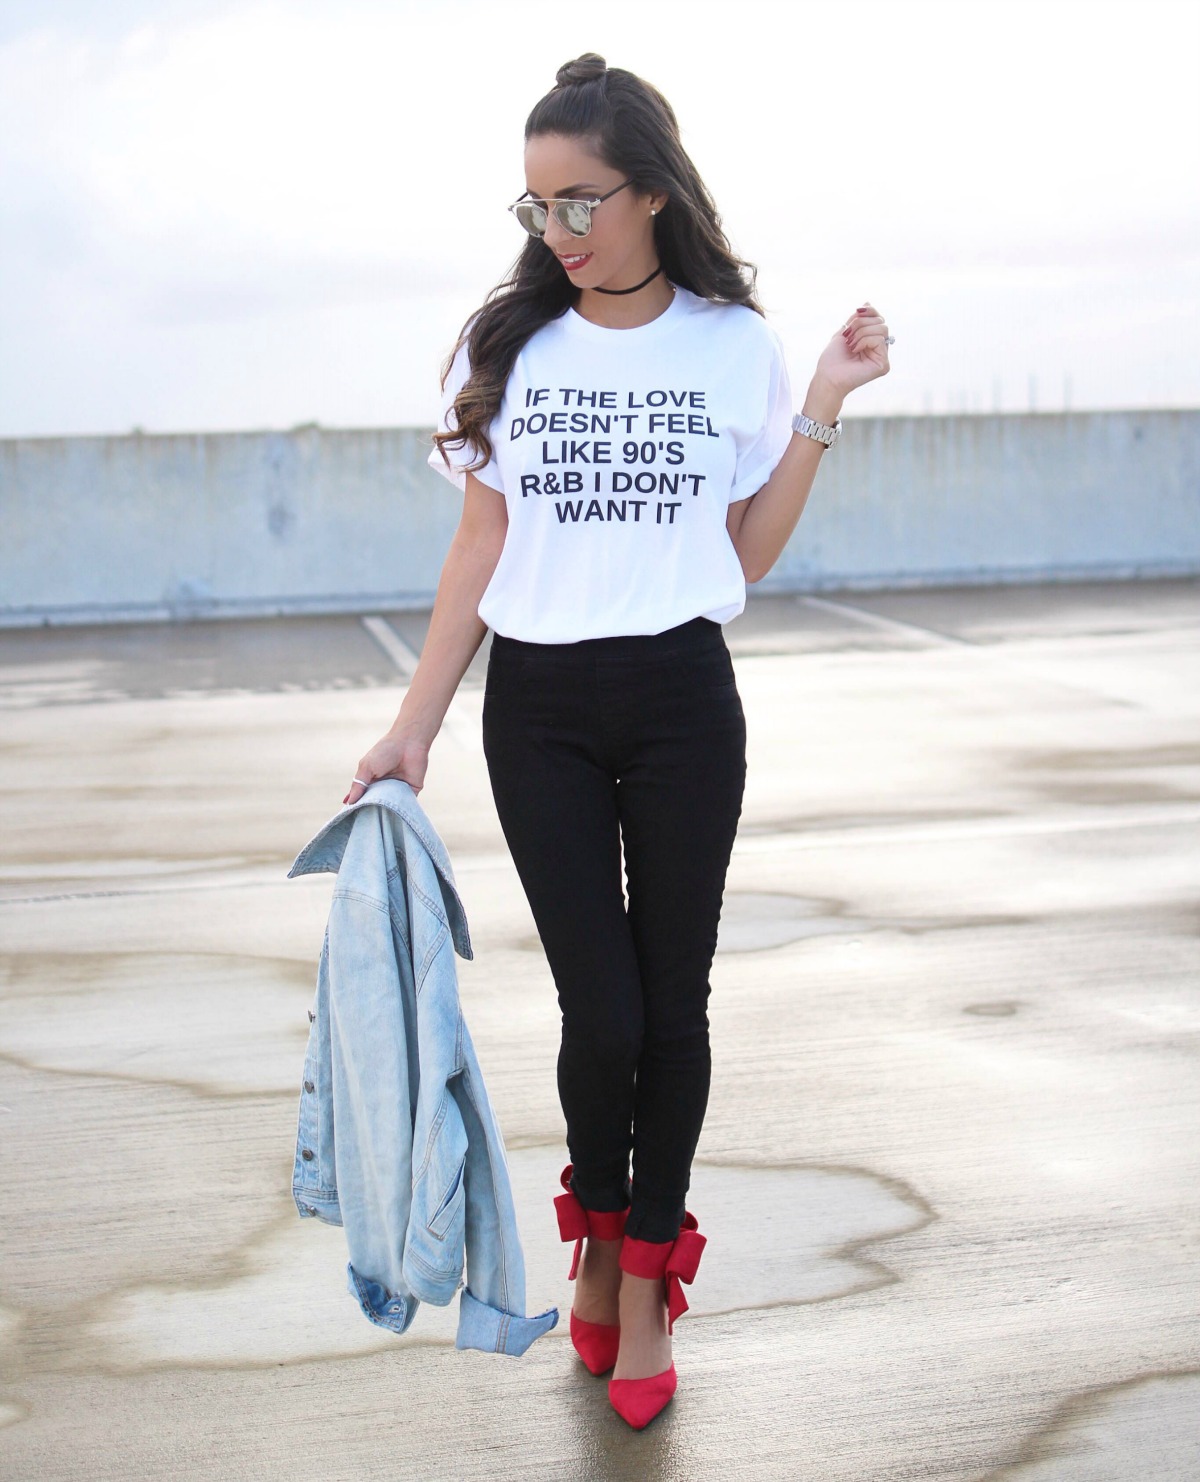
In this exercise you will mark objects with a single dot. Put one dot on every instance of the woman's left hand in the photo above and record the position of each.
(857, 353)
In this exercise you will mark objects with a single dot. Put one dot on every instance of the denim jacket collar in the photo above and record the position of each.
(323, 852)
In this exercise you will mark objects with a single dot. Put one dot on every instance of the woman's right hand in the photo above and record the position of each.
(391, 756)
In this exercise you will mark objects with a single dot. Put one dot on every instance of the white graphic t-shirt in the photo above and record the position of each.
(618, 452)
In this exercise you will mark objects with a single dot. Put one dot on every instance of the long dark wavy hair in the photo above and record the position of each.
(631, 127)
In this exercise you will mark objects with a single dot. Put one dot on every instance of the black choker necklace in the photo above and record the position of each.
(636, 286)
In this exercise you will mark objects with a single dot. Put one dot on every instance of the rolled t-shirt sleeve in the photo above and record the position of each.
(455, 471)
(760, 451)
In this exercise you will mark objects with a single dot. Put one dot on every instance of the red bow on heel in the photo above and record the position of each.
(638, 1401)
(595, 1342)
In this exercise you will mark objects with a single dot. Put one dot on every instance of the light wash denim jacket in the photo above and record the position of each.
(397, 1141)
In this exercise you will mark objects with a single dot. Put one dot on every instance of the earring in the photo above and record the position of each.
(653, 211)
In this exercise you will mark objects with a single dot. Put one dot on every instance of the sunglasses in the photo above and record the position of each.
(572, 215)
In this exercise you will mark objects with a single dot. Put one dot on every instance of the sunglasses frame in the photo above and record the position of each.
(554, 202)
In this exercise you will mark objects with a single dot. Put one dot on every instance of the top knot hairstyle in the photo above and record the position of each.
(582, 69)
(630, 126)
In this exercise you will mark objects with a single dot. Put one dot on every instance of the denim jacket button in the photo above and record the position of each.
(308, 1085)
(307, 1154)
(311, 1016)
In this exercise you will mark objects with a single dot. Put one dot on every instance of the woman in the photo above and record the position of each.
(619, 418)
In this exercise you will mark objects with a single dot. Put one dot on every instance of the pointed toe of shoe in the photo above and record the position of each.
(638, 1401)
(596, 1343)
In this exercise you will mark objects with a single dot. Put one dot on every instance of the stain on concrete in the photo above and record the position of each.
(811, 1229)
(216, 1023)
(12, 1412)
(754, 920)
(127, 1184)
(55, 865)
(137, 874)
(1112, 758)
(1147, 1427)
(1111, 775)
(10, 1323)
(292, 1275)
(758, 921)
(880, 818)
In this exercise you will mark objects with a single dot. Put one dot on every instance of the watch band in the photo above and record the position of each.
(820, 431)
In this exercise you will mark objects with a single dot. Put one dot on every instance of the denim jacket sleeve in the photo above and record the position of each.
(397, 1140)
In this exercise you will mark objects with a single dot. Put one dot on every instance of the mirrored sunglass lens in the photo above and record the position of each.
(531, 217)
(575, 216)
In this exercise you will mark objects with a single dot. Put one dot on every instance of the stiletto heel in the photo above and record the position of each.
(595, 1342)
(638, 1401)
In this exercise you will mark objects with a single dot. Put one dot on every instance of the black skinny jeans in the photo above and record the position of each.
(636, 743)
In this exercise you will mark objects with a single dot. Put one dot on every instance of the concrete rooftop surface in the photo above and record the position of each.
(950, 1172)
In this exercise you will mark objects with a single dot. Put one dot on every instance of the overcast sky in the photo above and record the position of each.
(266, 212)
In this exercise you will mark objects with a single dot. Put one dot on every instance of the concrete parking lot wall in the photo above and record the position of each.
(150, 526)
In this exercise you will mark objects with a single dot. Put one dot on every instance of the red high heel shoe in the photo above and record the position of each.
(638, 1401)
(595, 1342)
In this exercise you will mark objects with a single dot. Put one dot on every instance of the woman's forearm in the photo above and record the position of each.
(455, 633)
(772, 513)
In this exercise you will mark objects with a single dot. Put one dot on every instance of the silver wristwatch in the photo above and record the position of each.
(818, 430)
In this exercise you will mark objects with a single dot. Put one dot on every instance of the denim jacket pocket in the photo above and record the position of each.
(435, 1250)
(444, 1189)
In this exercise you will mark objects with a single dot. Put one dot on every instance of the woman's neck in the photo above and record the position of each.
(616, 311)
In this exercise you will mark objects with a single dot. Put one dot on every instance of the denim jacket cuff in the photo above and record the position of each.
(497, 1331)
(392, 1310)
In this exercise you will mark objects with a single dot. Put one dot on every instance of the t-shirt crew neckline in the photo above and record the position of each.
(636, 334)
